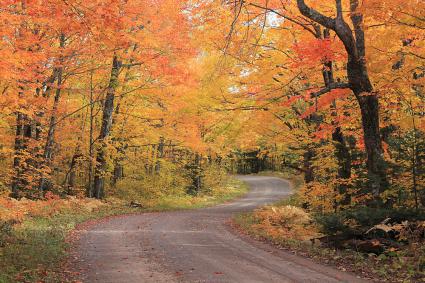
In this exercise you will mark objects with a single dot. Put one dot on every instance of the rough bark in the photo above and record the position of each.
(108, 110)
(121, 144)
(359, 83)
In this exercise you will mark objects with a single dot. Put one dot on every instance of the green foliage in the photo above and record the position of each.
(214, 179)
(142, 187)
(34, 250)
(358, 221)
(5, 231)
(171, 183)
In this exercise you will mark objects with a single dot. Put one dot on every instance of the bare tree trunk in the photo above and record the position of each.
(108, 110)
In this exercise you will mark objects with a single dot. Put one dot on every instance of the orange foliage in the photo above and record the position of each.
(18, 210)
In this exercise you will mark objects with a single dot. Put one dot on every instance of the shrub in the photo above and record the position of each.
(170, 181)
(350, 223)
(285, 221)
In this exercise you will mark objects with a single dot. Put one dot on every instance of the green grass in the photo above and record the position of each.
(234, 189)
(35, 250)
(36, 247)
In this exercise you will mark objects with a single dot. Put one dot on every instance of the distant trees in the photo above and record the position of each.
(100, 93)
(329, 82)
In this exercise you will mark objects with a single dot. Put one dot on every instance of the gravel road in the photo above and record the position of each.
(194, 246)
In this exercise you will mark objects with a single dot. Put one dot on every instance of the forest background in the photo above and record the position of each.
(147, 103)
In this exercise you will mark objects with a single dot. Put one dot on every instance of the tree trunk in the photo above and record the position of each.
(308, 168)
(198, 170)
(108, 110)
(372, 138)
(50, 139)
(17, 182)
(89, 189)
(342, 152)
(160, 150)
(359, 83)
(71, 174)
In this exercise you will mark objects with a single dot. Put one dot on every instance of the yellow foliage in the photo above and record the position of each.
(286, 221)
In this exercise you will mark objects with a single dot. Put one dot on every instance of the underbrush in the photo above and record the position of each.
(33, 234)
(380, 244)
(398, 263)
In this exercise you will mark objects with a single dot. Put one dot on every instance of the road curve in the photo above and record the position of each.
(194, 246)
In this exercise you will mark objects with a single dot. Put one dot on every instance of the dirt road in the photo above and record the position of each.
(194, 246)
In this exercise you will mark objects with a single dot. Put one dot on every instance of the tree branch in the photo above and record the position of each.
(330, 87)
(315, 15)
(284, 16)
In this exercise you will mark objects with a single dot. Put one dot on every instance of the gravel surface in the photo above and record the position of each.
(194, 246)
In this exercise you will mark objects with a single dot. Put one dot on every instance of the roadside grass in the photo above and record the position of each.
(267, 225)
(35, 249)
(387, 267)
(232, 190)
(343, 260)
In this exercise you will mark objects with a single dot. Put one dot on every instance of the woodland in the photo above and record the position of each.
(145, 102)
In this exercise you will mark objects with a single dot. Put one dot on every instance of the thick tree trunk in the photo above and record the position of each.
(372, 139)
(359, 83)
(108, 110)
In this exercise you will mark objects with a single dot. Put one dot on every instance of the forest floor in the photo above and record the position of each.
(35, 236)
(193, 246)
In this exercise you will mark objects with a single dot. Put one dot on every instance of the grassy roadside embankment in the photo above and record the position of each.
(287, 226)
(33, 241)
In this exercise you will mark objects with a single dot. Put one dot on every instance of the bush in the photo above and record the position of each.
(170, 181)
(214, 179)
(285, 221)
(353, 222)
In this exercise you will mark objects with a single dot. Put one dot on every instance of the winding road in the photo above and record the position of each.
(194, 246)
